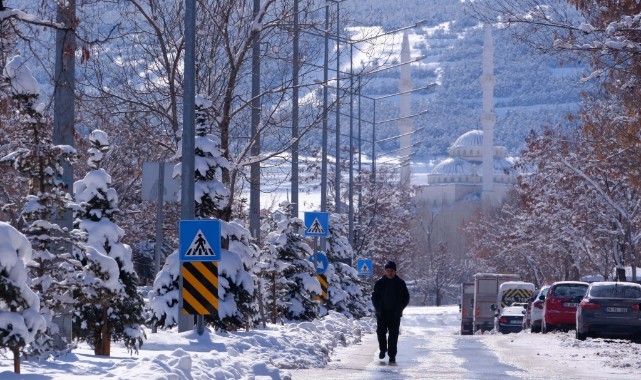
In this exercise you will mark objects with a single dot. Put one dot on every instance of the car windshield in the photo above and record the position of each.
(569, 290)
(615, 291)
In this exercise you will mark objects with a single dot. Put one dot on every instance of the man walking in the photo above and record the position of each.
(390, 297)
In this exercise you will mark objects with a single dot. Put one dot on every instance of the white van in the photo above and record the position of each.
(512, 292)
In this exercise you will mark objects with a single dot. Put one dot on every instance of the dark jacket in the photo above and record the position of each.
(390, 297)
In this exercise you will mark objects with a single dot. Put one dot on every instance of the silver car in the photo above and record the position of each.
(610, 309)
(536, 309)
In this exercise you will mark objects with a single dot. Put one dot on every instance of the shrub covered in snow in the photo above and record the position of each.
(108, 305)
(20, 320)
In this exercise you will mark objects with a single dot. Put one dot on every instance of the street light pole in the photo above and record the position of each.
(188, 209)
(360, 160)
(351, 148)
(254, 192)
(323, 241)
(338, 113)
(373, 174)
(295, 68)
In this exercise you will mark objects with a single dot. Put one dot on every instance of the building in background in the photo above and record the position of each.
(476, 176)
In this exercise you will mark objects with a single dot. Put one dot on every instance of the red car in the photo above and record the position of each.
(559, 309)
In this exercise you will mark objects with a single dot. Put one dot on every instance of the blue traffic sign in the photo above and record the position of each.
(365, 267)
(317, 224)
(321, 262)
(199, 240)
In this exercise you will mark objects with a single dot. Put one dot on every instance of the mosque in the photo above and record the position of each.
(476, 176)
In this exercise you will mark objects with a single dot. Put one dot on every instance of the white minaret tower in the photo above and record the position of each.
(405, 124)
(488, 118)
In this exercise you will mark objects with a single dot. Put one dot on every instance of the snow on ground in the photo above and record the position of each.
(268, 352)
(335, 347)
(560, 355)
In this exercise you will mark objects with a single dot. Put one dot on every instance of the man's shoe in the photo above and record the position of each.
(381, 355)
(392, 360)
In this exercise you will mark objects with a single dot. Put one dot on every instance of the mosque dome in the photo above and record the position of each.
(473, 138)
(469, 146)
(466, 161)
(454, 166)
(503, 166)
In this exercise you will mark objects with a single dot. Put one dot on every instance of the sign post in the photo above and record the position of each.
(200, 252)
(317, 225)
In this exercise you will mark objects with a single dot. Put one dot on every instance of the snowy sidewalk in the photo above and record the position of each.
(349, 362)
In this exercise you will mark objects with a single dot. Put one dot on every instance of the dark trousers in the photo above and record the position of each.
(384, 324)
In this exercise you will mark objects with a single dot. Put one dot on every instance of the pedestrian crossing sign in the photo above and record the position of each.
(199, 240)
(364, 267)
(317, 224)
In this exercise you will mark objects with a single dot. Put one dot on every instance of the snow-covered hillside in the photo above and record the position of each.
(532, 90)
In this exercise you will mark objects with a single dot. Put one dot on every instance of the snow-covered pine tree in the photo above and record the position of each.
(38, 161)
(20, 319)
(163, 303)
(109, 305)
(236, 278)
(286, 254)
(348, 293)
(238, 256)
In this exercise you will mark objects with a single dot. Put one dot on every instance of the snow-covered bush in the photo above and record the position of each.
(20, 320)
(108, 304)
(348, 293)
(285, 264)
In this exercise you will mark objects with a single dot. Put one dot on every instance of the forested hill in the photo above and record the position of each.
(532, 90)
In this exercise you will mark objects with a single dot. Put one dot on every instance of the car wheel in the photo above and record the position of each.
(535, 329)
(580, 335)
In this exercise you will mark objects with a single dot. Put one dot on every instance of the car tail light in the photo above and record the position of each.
(538, 305)
(586, 304)
(503, 320)
(635, 307)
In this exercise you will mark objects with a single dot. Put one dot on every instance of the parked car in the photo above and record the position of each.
(535, 311)
(559, 308)
(511, 319)
(610, 309)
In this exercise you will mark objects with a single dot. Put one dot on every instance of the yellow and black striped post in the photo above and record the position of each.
(200, 287)
(323, 282)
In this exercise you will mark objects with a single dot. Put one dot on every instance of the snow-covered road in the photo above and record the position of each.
(430, 347)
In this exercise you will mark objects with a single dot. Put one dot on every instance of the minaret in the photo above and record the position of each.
(488, 118)
(405, 124)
